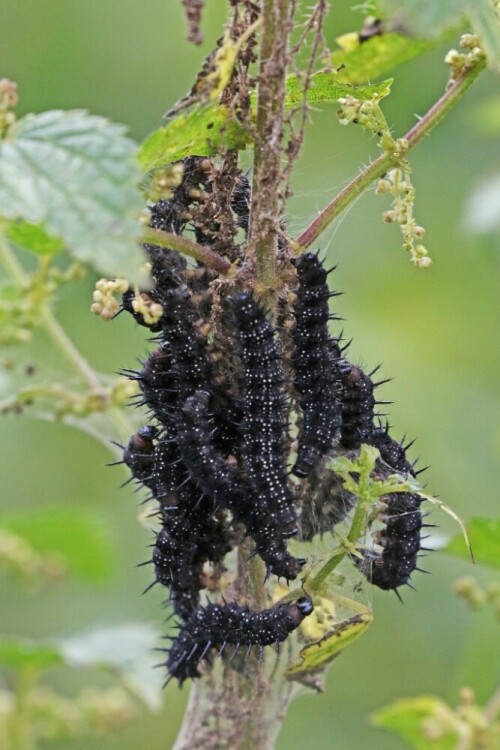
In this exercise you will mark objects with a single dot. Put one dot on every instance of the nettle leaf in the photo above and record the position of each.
(76, 174)
(81, 539)
(20, 653)
(208, 129)
(205, 131)
(126, 650)
(328, 87)
(408, 718)
(33, 237)
(484, 535)
(376, 56)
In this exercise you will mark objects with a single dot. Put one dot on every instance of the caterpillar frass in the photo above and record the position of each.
(263, 402)
(220, 480)
(317, 377)
(217, 625)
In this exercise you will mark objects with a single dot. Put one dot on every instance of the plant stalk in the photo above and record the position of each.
(267, 176)
(63, 343)
(455, 91)
(183, 245)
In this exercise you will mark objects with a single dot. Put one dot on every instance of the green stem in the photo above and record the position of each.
(52, 326)
(62, 341)
(183, 245)
(358, 526)
(379, 167)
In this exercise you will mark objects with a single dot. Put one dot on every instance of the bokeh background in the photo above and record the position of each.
(436, 333)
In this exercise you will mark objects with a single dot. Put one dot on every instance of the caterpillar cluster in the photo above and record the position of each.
(220, 386)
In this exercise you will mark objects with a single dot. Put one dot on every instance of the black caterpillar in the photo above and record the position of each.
(217, 625)
(263, 403)
(219, 480)
(219, 388)
(316, 359)
(400, 539)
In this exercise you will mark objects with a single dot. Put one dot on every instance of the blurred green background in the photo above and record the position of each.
(435, 332)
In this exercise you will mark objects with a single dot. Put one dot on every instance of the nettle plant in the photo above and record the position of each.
(255, 434)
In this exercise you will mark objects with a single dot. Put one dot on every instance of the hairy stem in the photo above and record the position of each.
(455, 91)
(183, 245)
(265, 205)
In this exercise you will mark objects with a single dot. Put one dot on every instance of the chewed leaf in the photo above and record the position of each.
(76, 174)
(376, 56)
(316, 656)
(329, 87)
(209, 128)
(485, 539)
(204, 131)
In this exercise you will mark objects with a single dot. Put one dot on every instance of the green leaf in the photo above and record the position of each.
(78, 536)
(484, 535)
(76, 174)
(318, 655)
(209, 128)
(127, 650)
(33, 237)
(408, 718)
(203, 132)
(20, 653)
(376, 56)
(328, 87)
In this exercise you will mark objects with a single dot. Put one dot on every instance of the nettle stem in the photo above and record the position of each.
(267, 176)
(455, 91)
(203, 253)
(242, 705)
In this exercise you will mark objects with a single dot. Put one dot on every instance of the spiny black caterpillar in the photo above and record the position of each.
(217, 625)
(316, 360)
(234, 402)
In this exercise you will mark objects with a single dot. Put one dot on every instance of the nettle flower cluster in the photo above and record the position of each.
(235, 399)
